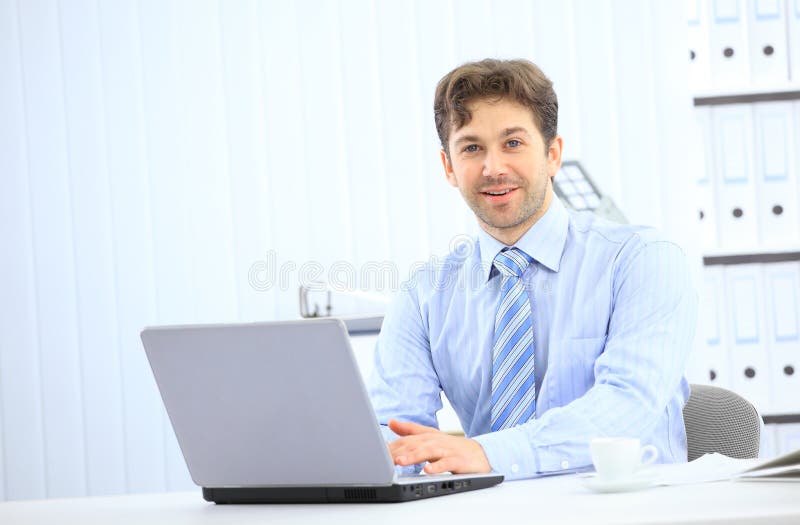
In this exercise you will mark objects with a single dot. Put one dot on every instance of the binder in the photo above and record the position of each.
(713, 367)
(766, 32)
(768, 448)
(732, 127)
(730, 64)
(782, 294)
(707, 216)
(699, 57)
(787, 438)
(746, 323)
(775, 174)
(793, 25)
(796, 146)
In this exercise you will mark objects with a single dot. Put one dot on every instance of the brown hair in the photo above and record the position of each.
(518, 80)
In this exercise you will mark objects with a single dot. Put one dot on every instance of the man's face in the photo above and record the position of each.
(499, 162)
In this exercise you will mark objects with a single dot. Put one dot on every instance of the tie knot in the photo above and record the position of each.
(511, 262)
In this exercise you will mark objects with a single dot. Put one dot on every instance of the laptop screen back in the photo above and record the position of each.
(268, 404)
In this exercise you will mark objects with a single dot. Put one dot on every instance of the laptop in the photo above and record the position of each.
(277, 412)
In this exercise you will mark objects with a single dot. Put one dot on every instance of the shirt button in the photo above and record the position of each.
(514, 468)
(565, 464)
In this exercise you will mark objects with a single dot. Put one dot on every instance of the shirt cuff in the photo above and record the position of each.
(509, 453)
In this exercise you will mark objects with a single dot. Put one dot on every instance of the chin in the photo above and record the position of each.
(507, 223)
(504, 224)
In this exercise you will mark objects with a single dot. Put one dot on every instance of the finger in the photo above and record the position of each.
(403, 443)
(407, 428)
(402, 454)
(418, 440)
(397, 449)
(459, 456)
(445, 464)
(421, 454)
(401, 447)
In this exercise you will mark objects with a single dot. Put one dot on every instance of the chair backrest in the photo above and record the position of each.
(718, 420)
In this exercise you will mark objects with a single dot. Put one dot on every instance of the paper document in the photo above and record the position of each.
(718, 467)
(782, 468)
(710, 467)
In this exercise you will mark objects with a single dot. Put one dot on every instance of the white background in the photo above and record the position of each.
(151, 152)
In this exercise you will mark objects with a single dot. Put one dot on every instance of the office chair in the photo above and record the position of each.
(718, 420)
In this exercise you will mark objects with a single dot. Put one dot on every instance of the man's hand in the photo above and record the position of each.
(443, 452)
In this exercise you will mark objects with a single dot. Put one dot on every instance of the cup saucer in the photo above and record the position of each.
(637, 481)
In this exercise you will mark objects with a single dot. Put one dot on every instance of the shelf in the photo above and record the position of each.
(745, 96)
(781, 419)
(750, 258)
(363, 324)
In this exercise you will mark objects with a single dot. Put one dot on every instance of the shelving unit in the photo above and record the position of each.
(783, 426)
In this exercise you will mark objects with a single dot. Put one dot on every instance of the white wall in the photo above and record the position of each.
(151, 152)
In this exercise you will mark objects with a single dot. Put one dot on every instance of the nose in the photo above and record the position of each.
(493, 164)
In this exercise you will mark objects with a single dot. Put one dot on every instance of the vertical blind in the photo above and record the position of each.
(153, 153)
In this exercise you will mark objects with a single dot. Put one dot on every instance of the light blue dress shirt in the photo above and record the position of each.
(614, 313)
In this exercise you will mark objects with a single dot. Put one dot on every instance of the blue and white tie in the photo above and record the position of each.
(513, 380)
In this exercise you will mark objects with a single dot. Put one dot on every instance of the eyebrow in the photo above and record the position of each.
(517, 129)
(466, 138)
(506, 132)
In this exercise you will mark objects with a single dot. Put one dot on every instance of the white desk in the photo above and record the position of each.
(540, 501)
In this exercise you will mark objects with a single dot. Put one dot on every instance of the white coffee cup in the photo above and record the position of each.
(619, 458)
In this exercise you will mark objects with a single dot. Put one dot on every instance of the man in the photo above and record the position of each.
(555, 328)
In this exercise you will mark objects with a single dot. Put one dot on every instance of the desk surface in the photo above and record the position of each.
(547, 500)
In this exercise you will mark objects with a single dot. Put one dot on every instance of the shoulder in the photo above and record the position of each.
(622, 241)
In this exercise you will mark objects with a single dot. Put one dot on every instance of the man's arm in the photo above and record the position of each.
(403, 384)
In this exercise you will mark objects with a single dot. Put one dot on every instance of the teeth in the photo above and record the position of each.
(498, 192)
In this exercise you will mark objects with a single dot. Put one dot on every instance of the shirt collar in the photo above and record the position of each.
(544, 241)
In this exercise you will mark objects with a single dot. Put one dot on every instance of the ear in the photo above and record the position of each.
(554, 152)
(448, 169)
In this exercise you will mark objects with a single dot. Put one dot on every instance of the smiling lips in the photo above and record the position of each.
(498, 195)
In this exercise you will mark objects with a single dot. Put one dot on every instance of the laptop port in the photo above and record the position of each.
(431, 489)
(457, 485)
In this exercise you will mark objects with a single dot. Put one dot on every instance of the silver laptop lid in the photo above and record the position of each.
(268, 404)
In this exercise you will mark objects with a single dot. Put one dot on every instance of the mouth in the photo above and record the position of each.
(498, 195)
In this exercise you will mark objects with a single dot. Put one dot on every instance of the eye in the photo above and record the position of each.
(472, 148)
(513, 143)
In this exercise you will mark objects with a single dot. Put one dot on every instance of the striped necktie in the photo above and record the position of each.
(513, 384)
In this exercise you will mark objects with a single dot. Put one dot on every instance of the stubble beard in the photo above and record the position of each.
(528, 208)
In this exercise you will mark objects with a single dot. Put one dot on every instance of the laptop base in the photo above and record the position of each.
(364, 494)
